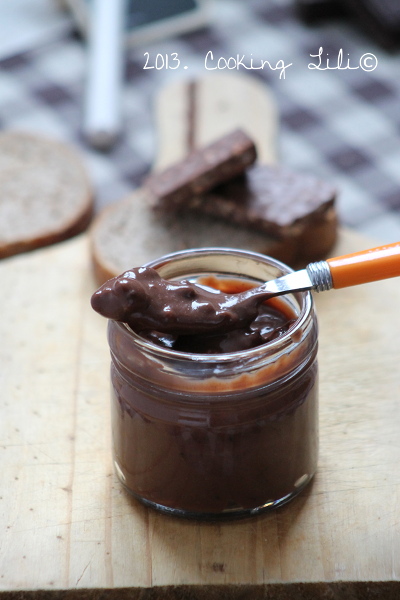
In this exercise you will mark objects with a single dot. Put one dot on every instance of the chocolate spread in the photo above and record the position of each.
(189, 316)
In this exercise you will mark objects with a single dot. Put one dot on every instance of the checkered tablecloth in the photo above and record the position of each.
(343, 124)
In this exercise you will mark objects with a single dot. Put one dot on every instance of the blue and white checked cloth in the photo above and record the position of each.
(342, 124)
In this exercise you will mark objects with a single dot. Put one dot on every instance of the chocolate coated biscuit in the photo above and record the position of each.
(271, 199)
(202, 170)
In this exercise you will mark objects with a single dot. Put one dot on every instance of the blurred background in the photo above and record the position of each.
(342, 124)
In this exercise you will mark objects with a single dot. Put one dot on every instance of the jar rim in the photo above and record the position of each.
(278, 343)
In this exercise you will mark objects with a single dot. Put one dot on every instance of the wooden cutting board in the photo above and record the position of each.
(67, 524)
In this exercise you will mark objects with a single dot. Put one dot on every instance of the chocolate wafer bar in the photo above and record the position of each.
(275, 200)
(202, 170)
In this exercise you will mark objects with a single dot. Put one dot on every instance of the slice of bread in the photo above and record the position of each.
(129, 234)
(45, 195)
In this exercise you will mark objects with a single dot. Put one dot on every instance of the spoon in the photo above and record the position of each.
(145, 301)
(366, 266)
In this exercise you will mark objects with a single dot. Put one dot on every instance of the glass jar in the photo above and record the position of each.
(217, 435)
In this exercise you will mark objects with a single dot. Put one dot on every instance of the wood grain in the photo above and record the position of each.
(67, 524)
(68, 529)
(195, 113)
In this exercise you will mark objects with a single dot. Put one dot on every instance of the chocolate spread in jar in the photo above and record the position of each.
(208, 316)
(272, 320)
(198, 449)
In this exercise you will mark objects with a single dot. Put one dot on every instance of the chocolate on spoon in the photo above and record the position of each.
(146, 301)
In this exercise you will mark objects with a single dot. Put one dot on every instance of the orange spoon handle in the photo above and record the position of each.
(362, 267)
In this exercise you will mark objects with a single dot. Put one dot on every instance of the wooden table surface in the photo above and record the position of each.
(65, 521)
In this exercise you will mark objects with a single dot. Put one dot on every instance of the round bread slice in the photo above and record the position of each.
(129, 234)
(45, 194)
